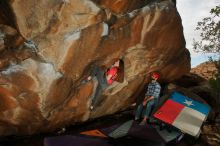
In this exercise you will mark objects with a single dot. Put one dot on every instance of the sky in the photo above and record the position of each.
(191, 12)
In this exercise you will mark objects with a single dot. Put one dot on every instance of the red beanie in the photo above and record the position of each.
(155, 75)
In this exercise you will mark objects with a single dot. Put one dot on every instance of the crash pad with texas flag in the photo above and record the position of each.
(183, 113)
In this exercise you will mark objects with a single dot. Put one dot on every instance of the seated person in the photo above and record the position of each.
(150, 100)
(102, 80)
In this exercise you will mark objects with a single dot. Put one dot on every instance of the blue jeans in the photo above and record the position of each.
(100, 83)
(145, 109)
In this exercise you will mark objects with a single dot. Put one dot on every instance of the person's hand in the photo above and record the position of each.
(145, 102)
(89, 78)
(150, 98)
(108, 77)
(134, 104)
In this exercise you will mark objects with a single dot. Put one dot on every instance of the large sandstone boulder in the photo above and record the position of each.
(41, 88)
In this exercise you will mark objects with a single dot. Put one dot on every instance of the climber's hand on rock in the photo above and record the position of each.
(89, 78)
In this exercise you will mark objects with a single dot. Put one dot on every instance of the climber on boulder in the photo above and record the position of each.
(102, 79)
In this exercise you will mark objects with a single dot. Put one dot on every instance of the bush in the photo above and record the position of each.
(215, 83)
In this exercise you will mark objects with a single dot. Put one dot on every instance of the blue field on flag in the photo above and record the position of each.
(177, 97)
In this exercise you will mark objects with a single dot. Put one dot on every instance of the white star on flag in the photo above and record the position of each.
(188, 102)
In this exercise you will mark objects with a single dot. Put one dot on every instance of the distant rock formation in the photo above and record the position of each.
(47, 48)
(206, 70)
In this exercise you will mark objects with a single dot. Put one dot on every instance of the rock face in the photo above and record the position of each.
(40, 79)
(211, 132)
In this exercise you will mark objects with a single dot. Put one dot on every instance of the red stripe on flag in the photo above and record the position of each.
(169, 111)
